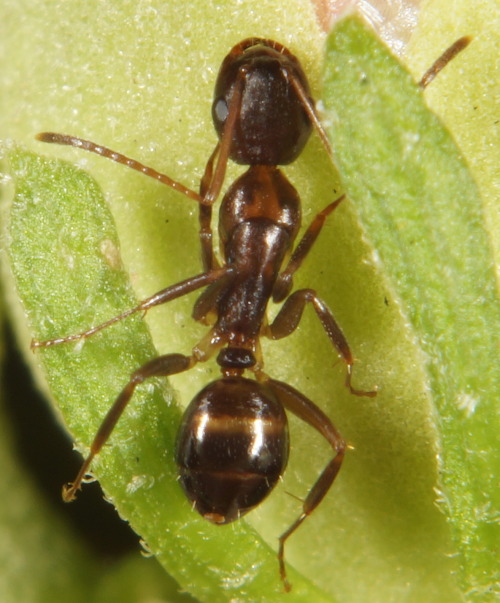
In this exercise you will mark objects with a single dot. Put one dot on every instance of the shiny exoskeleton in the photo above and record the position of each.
(233, 442)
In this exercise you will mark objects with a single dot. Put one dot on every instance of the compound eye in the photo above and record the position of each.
(220, 110)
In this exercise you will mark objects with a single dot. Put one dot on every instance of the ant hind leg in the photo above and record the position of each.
(163, 366)
(304, 409)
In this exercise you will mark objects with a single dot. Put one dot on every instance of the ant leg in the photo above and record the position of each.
(288, 319)
(224, 146)
(439, 64)
(92, 147)
(163, 296)
(204, 309)
(303, 408)
(208, 258)
(163, 366)
(284, 281)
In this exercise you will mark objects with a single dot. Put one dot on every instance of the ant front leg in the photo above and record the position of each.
(303, 408)
(163, 366)
(208, 258)
(284, 282)
(288, 318)
(213, 177)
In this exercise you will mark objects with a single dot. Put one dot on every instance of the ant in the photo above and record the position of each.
(233, 444)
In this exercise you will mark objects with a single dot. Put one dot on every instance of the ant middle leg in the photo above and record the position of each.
(288, 318)
(306, 410)
(163, 366)
(161, 297)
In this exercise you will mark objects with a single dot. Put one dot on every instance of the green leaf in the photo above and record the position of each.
(65, 260)
(422, 211)
(143, 86)
(26, 525)
(133, 72)
(466, 98)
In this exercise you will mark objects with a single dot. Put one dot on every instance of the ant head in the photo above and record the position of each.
(271, 125)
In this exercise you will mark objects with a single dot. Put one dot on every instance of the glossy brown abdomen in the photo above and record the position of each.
(232, 448)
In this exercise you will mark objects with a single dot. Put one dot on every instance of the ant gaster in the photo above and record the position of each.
(233, 445)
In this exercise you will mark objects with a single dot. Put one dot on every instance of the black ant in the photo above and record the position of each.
(232, 445)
